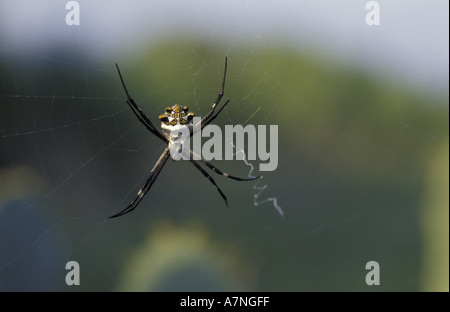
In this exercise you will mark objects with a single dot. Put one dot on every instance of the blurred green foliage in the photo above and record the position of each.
(354, 157)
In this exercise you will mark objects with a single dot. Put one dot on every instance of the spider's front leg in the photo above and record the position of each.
(139, 113)
(207, 118)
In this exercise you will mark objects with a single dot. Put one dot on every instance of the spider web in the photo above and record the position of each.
(355, 156)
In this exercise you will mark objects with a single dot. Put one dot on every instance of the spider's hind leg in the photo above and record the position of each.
(220, 172)
(206, 174)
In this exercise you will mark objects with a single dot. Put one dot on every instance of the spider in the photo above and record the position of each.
(172, 118)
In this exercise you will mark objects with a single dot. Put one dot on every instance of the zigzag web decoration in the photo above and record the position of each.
(259, 189)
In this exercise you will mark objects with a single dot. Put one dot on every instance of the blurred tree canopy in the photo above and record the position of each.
(355, 155)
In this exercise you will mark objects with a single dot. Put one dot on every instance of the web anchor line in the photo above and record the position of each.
(259, 189)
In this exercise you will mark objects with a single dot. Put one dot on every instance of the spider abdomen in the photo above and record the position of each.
(176, 115)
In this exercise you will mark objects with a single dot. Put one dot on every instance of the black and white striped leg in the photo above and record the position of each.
(147, 185)
(215, 116)
(218, 171)
(206, 174)
(139, 113)
(216, 102)
(146, 125)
